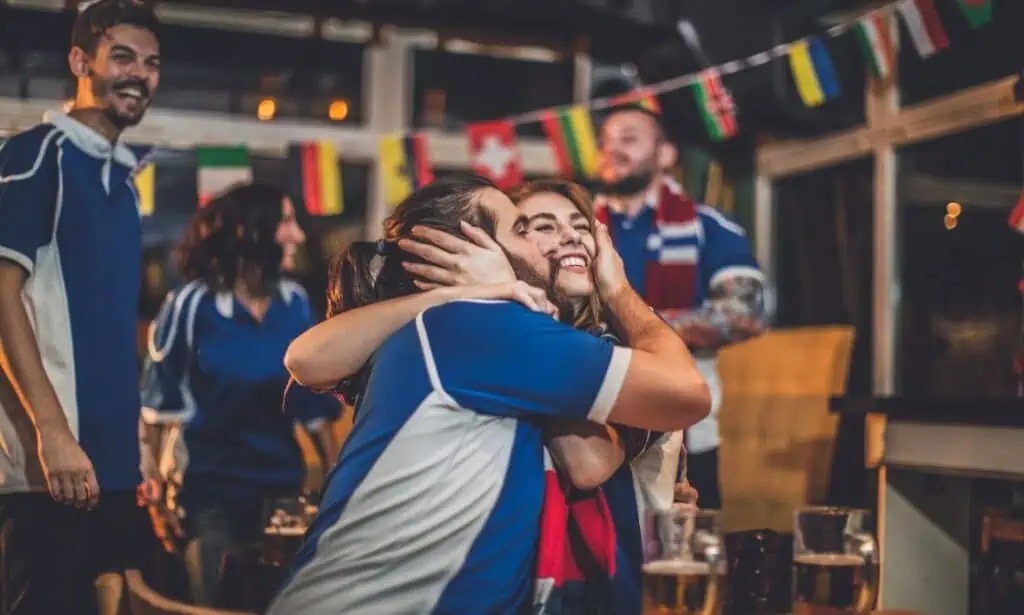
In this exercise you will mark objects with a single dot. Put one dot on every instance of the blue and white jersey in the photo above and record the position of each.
(434, 506)
(69, 216)
(214, 367)
(723, 249)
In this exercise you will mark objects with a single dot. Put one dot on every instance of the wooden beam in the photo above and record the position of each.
(990, 103)
(978, 106)
(927, 190)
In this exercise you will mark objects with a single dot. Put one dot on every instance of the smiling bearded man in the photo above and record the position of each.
(70, 266)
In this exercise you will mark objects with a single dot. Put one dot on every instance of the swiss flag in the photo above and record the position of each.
(494, 152)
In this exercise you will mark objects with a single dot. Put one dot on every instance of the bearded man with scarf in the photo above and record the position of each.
(688, 261)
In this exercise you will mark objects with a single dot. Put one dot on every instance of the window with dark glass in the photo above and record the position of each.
(204, 69)
(452, 89)
(960, 263)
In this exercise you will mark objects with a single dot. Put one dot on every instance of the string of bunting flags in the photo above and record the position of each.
(493, 144)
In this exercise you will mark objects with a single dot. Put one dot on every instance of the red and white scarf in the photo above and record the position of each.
(672, 270)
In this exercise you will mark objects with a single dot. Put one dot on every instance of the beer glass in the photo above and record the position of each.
(684, 562)
(835, 562)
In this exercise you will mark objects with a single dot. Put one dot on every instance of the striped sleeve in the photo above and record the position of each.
(28, 194)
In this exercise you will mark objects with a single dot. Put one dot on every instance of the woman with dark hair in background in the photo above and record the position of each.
(214, 380)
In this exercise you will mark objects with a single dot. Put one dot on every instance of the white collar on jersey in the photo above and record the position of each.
(90, 141)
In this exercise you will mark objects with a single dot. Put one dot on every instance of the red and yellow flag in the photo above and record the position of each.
(316, 174)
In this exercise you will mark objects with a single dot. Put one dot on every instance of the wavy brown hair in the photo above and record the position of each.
(590, 317)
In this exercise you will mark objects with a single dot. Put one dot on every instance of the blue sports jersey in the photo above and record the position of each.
(435, 503)
(722, 246)
(214, 367)
(69, 217)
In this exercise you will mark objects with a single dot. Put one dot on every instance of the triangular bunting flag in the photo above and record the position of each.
(876, 42)
(494, 153)
(316, 167)
(571, 135)
(716, 106)
(220, 168)
(925, 26)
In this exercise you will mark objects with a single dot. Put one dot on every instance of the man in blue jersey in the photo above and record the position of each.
(696, 268)
(435, 502)
(70, 261)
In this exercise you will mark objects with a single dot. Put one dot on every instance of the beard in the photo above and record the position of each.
(634, 183)
(525, 272)
(106, 90)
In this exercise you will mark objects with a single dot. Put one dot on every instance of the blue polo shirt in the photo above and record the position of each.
(69, 216)
(434, 506)
(721, 245)
(214, 367)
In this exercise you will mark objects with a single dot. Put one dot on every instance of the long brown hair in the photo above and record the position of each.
(590, 317)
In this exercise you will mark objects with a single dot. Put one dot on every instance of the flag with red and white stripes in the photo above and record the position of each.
(925, 26)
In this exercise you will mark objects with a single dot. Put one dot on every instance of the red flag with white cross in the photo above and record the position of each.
(494, 152)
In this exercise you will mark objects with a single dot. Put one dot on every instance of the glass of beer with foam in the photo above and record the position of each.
(835, 562)
(684, 562)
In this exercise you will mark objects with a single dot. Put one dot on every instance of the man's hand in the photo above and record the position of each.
(452, 261)
(609, 271)
(686, 494)
(69, 473)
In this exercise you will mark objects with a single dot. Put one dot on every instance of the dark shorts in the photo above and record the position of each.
(50, 553)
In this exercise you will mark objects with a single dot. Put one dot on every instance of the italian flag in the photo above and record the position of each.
(925, 26)
(220, 168)
(977, 12)
(716, 106)
(571, 135)
(873, 34)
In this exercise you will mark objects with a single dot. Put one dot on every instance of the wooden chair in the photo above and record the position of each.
(1001, 568)
(142, 600)
(777, 431)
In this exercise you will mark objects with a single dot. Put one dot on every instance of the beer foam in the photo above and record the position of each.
(830, 559)
(674, 567)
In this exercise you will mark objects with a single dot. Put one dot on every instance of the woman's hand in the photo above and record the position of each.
(609, 271)
(451, 261)
(530, 296)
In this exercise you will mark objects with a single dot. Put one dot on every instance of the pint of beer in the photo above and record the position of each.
(684, 567)
(835, 563)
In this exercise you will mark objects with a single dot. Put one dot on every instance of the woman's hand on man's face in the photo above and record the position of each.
(452, 261)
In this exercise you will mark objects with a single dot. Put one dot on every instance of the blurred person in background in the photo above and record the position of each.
(214, 380)
(70, 259)
(689, 262)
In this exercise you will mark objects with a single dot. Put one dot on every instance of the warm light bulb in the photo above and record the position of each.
(266, 109)
(338, 110)
(950, 222)
(953, 209)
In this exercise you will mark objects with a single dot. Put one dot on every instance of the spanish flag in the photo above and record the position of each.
(813, 73)
(571, 134)
(315, 166)
(404, 166)
(145, 186)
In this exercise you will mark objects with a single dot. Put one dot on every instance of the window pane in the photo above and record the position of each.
(973, 57)
(302, 75)
(824, 256)
(960, 301)
(451, 89)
